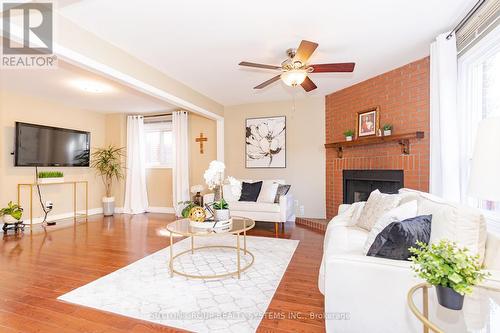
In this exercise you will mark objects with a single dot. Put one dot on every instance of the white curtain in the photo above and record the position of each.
(180, 170)
(444, 135)
(136, 195)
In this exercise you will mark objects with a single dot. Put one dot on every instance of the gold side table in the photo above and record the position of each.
(239, 226)
(479, 313)
(74, 187)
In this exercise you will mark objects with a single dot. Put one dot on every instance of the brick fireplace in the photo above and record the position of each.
(403, 97)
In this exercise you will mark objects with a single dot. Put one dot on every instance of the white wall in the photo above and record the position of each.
(305, 169)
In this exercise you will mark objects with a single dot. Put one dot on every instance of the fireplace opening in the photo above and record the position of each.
(358, 184)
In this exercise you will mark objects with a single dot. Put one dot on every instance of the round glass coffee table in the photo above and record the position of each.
(239, 226)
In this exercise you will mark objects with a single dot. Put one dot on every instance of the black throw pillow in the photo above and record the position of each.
(394, 241)
(250, 191)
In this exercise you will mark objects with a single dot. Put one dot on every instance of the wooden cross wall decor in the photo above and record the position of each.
(201, 139)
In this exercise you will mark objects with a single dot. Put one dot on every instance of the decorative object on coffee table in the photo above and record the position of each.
(387, 129)
(266, 142)
(197, 198)
(448, 267)
(349, 135)
(367, 122)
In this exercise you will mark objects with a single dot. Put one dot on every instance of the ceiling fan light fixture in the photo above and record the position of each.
(294, 77)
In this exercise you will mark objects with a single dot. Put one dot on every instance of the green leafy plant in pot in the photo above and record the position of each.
(108, 163)
(349, 134)
(387, 129)
(12, 213)
(451, 269)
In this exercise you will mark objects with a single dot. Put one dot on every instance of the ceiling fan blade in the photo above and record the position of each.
(339, 67)
(268, 82)
(305, 50)
(308, 85)
(252, 64)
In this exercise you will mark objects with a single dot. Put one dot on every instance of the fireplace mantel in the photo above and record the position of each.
(402, 139)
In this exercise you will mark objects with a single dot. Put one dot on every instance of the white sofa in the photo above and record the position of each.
(368, 294)
(259, 211)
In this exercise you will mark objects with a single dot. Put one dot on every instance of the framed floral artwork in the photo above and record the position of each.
(367, 122)
(265, 142)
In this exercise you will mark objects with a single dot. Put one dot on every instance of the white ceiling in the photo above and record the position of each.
(59, 85)
(200, 42)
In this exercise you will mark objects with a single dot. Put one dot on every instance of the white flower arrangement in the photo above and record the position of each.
(214, 175)
(197, 188)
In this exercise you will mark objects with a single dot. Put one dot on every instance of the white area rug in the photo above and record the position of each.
(144, 289)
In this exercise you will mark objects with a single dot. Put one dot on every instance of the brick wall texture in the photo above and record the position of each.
(403, 97)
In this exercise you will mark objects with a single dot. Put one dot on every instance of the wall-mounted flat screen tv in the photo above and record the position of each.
(38, 145)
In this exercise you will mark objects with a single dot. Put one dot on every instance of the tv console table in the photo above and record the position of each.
(74, 187)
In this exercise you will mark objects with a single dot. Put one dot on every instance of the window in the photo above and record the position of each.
(478, 99)
(158, 144)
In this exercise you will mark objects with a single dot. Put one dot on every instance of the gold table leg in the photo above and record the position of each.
(425, 304)
(238, 253)
(245, 242)
(192, 244)
(171, 263)
(74, 202)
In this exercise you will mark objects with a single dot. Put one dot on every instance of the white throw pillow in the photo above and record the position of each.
(400, 213)
(377, 205)
(464, 225)
(268, 191)
(229, 193)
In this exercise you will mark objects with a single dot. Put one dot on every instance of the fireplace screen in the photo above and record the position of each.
(358, 184)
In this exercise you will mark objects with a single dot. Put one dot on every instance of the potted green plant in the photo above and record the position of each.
(451, 269)
(221, 210)
(12, 213)
(387, 129)
(48, 177)
(349, 134)
(108, 164)
(188, 205)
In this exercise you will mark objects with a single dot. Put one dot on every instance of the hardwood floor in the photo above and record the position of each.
(36, 269)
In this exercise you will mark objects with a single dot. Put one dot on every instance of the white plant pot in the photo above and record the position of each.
(8, 219)
(50, 180)
(222, 214)
(387, 132)
(348, 138)
(108, 206)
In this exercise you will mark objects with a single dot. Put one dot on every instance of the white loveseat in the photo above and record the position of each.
(368, 294)
(259, 211)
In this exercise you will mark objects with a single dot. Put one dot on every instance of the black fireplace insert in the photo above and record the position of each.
(358, 184)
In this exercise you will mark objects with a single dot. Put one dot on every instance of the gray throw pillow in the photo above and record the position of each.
(282, 190)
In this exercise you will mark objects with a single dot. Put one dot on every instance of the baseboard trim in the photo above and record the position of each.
(63, 216)
(164, 210)
(151, 209)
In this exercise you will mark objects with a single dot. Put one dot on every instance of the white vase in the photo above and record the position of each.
(221, 214)
(387, 132)
(348, 138)
(108, 206)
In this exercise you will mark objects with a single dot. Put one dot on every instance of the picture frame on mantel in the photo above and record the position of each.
(265, 142)
(368, 122)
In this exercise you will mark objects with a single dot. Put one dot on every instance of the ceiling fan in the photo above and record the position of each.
(295, 70)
